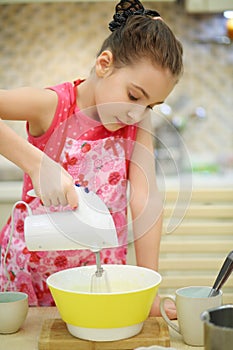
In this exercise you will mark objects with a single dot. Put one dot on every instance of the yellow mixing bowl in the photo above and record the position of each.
(108, 315)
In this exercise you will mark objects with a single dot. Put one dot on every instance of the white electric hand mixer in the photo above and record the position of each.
(91, 226)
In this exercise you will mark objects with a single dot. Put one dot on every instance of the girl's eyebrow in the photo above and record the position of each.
(141, 89)
(145, 94)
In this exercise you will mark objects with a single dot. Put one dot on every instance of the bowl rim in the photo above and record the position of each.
(152, 285)
(20, 296)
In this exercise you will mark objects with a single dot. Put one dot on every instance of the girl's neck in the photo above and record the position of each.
(86, 99)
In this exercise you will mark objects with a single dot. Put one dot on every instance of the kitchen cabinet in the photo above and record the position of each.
(194, 247)
(202, 6)
(194, 252)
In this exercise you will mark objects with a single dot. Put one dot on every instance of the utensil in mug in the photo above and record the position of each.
(223, 275)
(190, 303)
(13, 311)
(218, 327)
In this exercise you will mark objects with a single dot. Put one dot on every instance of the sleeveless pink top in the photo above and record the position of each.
(97, 159)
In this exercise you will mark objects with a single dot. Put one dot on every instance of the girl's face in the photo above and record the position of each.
(126, 95)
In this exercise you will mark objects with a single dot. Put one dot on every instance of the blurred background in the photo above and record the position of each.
(46, 43)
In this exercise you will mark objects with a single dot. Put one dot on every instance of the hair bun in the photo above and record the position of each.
(127, 8)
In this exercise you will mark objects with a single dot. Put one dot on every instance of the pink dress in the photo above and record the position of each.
(97, 159)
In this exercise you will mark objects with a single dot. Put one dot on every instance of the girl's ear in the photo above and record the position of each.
(104, 63)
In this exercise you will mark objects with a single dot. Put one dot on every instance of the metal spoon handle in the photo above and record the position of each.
(223, 275)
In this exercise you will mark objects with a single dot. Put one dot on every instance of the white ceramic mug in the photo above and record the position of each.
(190, 303)
(13, 311)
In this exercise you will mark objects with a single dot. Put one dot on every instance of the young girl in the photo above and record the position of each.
(95, 133)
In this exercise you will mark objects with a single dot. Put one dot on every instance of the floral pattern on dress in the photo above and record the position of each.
(98, 165)
(101, 168)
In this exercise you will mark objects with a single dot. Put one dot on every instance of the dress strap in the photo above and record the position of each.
(76, 83)
(66, 123)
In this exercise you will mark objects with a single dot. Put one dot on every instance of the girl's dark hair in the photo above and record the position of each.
(142, 36)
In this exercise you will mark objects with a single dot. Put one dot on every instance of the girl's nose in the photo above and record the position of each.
(136, 115)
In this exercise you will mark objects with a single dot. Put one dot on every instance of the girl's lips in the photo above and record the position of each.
(131, 122)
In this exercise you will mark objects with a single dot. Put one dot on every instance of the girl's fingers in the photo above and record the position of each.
(72, 197)
(62, 199)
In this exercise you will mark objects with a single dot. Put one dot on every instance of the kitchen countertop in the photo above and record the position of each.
(27, 337)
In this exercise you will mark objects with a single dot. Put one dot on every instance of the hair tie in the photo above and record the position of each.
(127, 8)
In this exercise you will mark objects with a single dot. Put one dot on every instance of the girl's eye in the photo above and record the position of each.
(132, 97)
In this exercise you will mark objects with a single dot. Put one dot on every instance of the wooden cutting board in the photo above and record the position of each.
(55, 336)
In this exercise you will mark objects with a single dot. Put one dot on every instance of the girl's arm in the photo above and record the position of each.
(36, 106)
(146, 206)
(145, 201)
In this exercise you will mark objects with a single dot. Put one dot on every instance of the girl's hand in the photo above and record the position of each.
(169, 308)
(53, 184)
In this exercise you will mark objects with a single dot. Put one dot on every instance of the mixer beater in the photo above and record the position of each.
(99, 280)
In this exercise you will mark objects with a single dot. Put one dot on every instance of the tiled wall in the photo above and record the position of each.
(44, 44)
